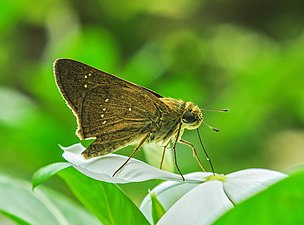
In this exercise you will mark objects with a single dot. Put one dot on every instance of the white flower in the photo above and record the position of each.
(199, 204)
(103, 167)
(199, 200)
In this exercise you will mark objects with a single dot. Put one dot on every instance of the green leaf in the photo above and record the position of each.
(46, 172)
(282, 203)
(106, 201)
(21, 204)
(18, 220)
(157, 209)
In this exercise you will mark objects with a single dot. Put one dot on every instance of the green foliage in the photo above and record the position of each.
(43, 206)
(43, 174)
(157, 209)
(282, 203)
(104, 200)
(178, 50)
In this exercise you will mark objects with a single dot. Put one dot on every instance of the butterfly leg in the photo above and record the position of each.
(132, 154)
(174, 151)
(163, 155)
(194, 152)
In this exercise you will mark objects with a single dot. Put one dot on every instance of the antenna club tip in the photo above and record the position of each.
(225, 110)
(215, 129)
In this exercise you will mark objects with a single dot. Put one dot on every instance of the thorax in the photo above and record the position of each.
(169, 119)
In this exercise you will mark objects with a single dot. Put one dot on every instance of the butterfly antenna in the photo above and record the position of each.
(216, 110)
(208, 159)
(211, 127)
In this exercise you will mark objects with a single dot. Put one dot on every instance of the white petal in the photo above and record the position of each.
(202, 205)
(103, 167)
(170, 191)
(245, 183)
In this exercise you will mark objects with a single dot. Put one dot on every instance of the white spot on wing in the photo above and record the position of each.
(85, 76)
(130, 109)
(107, 100)
(104, 109)
(104, 122)
(85, 86)
(102, 115)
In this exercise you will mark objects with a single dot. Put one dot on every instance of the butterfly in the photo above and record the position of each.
(118, 113)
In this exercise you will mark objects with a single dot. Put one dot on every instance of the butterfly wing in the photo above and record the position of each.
(114, 111)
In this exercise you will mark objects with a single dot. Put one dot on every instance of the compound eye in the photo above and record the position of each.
(189, 117)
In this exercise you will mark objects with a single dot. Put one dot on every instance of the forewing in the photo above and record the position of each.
(114, 111)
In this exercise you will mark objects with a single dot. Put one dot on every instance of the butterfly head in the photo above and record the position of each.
(192, 116)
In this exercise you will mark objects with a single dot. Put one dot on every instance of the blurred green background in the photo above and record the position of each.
(244, 55)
